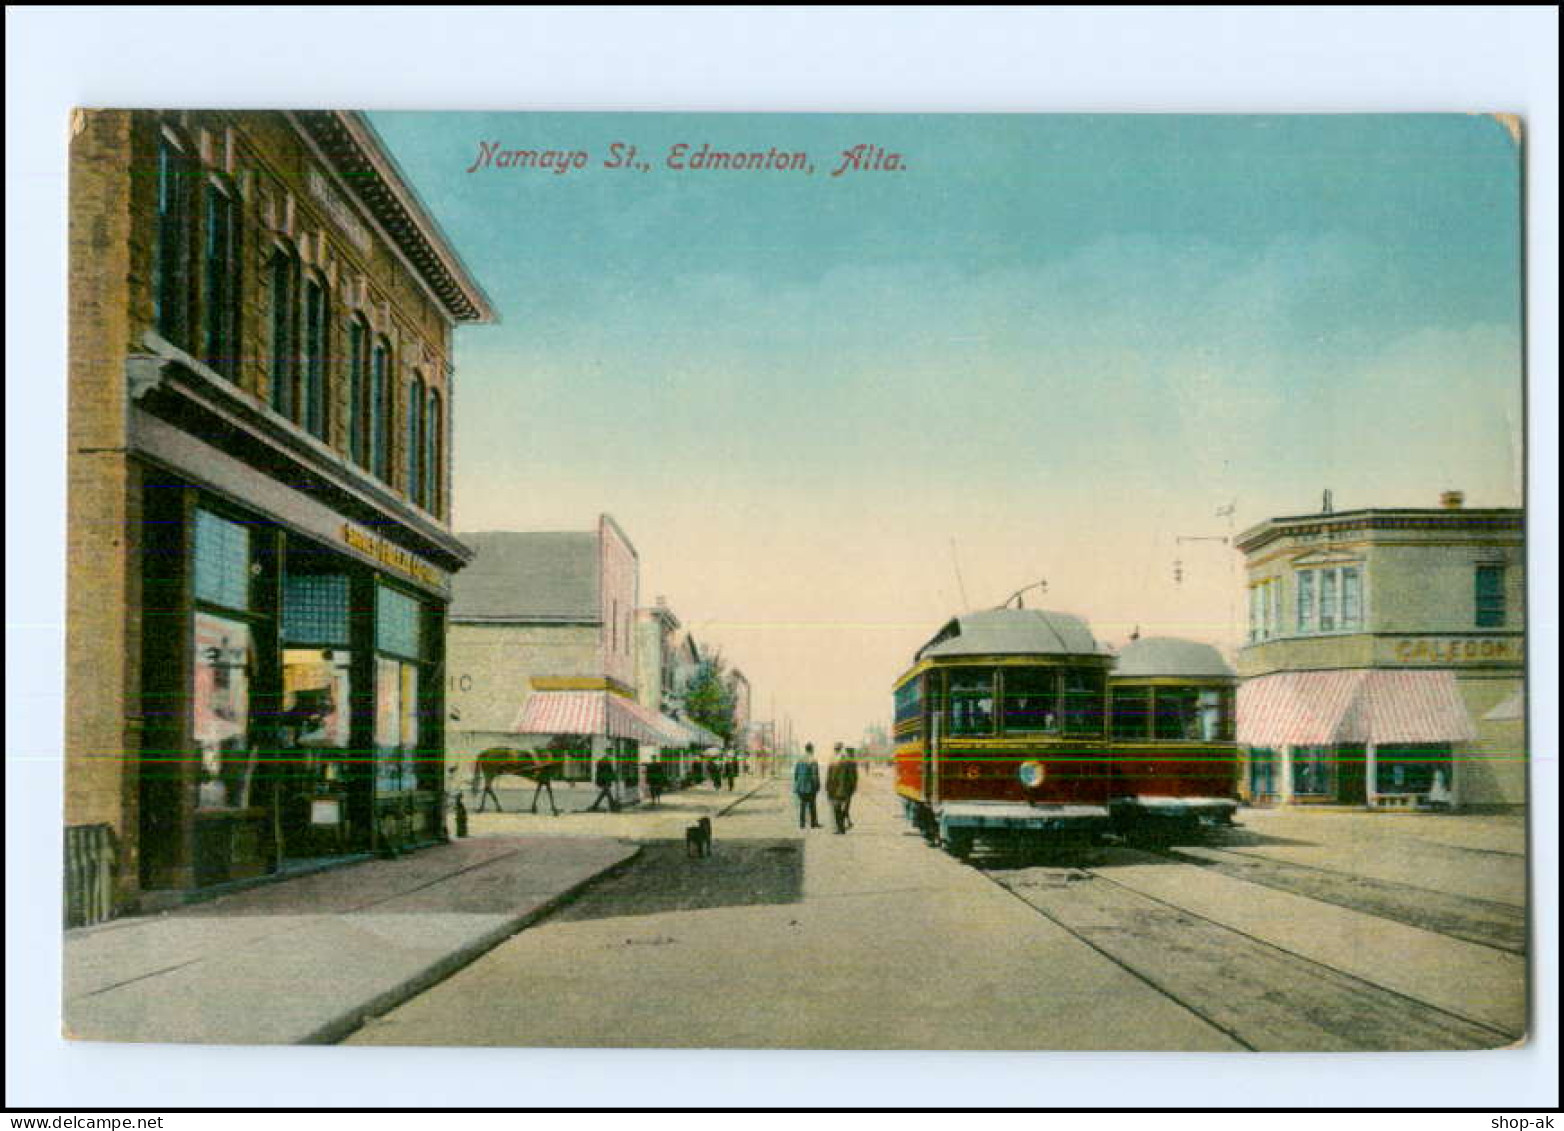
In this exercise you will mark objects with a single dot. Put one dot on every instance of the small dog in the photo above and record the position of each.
(697, 838)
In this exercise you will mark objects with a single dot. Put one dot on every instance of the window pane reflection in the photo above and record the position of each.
(221, 710)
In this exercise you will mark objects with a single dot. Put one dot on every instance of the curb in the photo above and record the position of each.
(335, 1031)
(734, 804)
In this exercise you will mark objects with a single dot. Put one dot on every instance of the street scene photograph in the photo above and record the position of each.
(785, 581)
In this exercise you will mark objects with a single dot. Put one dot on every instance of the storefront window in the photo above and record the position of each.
(222, 561)
(397, 704)
(972, 701)
(1411, 768)
(1313, 771)
(224, 658)
(1131, 712)
(1031, 700)
(1262, 771)
(1084, 702)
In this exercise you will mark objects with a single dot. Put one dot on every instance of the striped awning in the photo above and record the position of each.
(1326, 708)
(1295, 708)
(588, 712)
(1408, 707)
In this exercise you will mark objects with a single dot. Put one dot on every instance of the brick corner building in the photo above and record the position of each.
(260, 549)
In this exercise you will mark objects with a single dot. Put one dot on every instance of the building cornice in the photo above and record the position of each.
(360, 158)
(1479, 521)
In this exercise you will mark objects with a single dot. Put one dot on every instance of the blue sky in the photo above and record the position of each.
(1056, 342)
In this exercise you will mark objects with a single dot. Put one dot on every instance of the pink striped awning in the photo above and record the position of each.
(1408, 707)
(1326, 708)
(594, 712)
(563, 712)
(1295, 708)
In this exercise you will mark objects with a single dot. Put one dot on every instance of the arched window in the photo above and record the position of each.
(220, 283)
(380, 410)
(282, 284)
(171, 246)
(316, 354)
(358, 391)
(415, 439)
(434, 448)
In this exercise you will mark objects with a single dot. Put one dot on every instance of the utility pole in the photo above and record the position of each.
(1228, 511)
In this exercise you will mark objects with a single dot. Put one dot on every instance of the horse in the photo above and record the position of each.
(538, 766)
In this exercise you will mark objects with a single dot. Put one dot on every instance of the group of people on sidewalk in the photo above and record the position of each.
(841, 782)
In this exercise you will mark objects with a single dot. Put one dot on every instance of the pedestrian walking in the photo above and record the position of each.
(604, 777)
(730, 770)
(840, 783)
(806, 784)
(714, 772)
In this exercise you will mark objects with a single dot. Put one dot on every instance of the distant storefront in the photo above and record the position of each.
(1382, 645)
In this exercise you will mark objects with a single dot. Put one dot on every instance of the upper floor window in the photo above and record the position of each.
(220, 300)
(358, 392)
(315, 355)
(380, 410)
(171, 244)
(415, 441)
(1265, 609)
(281, 283)
(433, 455)
(1490, 596)
(1330, 599)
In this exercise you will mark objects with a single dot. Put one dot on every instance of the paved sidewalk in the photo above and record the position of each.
(305, 961)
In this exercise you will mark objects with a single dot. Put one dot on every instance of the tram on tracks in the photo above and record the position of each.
(1001, 731)
(1173, 754)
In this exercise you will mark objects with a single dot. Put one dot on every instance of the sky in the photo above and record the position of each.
(832, 411)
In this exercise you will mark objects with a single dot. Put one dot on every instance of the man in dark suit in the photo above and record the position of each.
(841, 781)
(806, 784)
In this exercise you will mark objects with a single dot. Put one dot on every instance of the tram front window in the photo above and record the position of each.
(1031, 701)
(972, 701)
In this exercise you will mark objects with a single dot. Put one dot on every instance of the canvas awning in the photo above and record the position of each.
(1295, 708)
(1327, 708)
(588, 712)
(1394, 707)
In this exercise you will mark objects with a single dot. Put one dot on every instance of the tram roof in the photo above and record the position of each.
(1172, 656)
(1009, 632)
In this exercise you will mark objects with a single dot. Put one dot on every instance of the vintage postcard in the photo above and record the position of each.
(780, 581)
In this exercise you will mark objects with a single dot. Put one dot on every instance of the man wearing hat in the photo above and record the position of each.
(806, 784)
(840, 783)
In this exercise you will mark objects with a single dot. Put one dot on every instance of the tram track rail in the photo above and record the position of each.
(1265, 998)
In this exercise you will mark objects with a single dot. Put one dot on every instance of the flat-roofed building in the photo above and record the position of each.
(1385, 657)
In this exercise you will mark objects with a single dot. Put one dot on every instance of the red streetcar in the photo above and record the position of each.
(1175, 761)
(1001, 730)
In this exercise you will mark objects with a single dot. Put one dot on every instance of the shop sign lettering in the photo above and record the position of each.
(1460, 651)
(390, 554)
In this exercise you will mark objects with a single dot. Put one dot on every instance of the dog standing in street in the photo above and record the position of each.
(697, 838)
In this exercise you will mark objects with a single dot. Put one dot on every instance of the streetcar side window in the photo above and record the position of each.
(1177, 715)
(1031, 700)
(1132, 712)
(971, 701)
(1085, 702)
